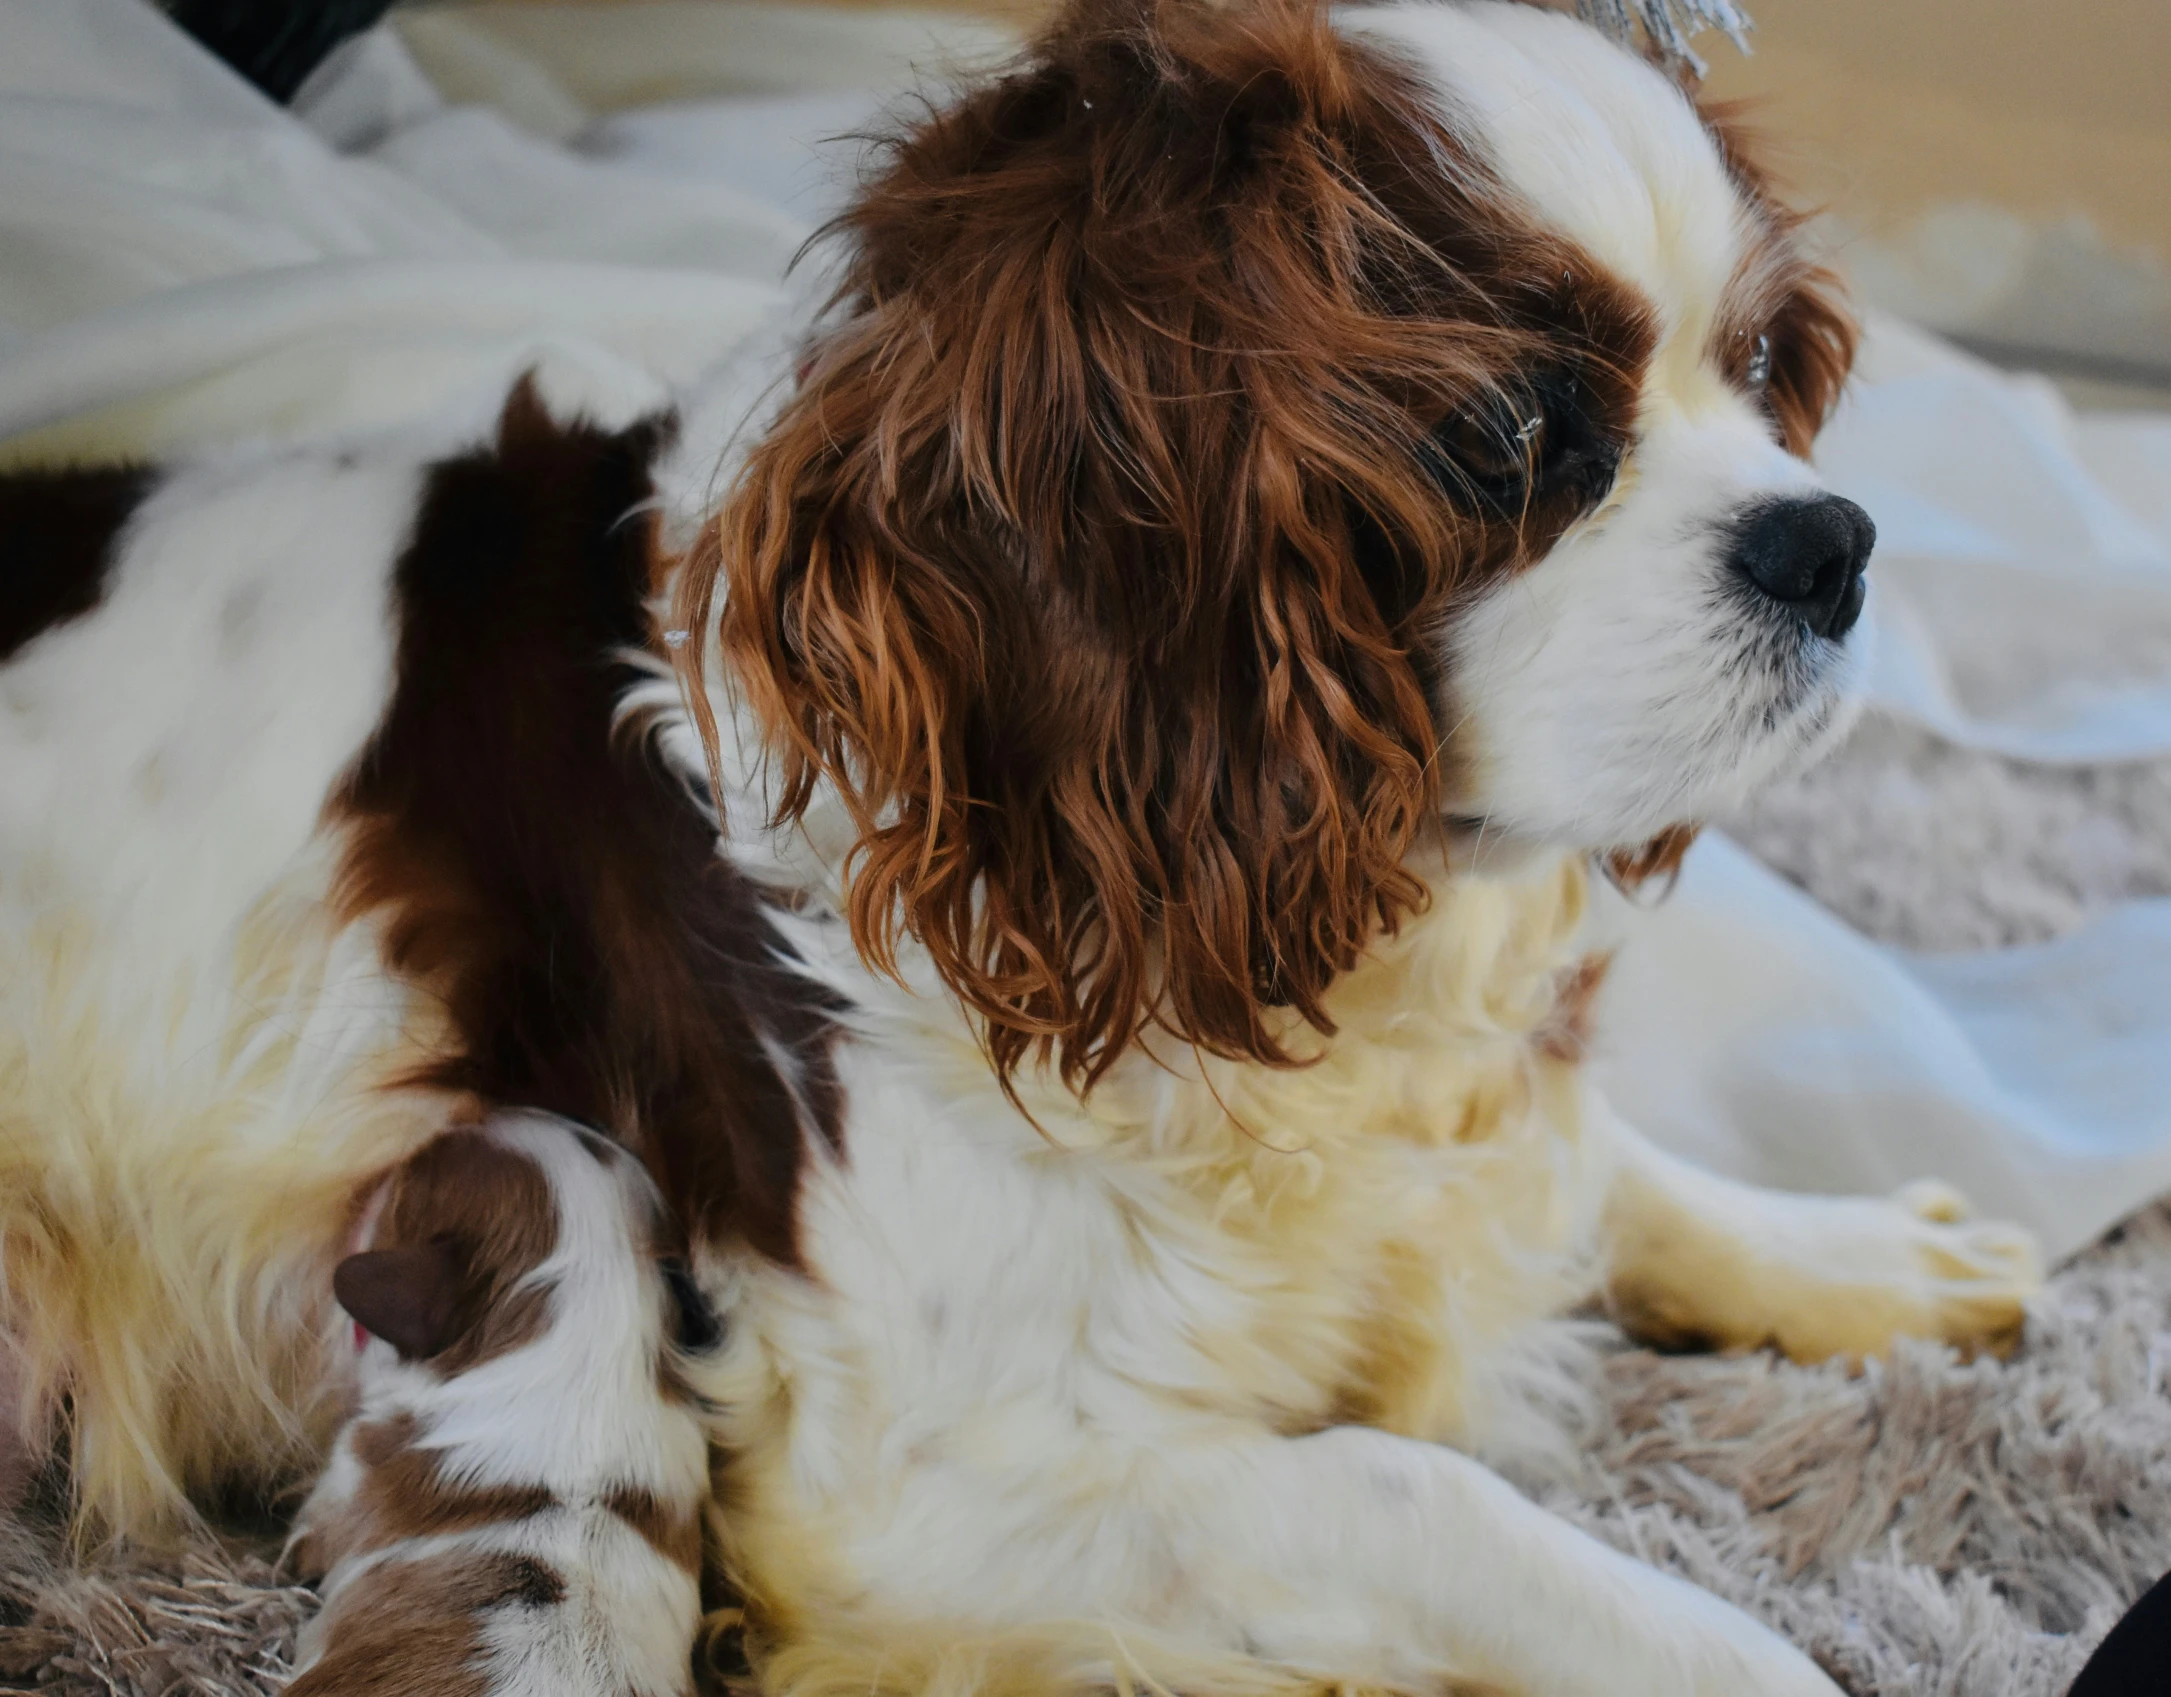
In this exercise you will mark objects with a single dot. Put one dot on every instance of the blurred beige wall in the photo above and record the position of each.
(1997, 169)
(1883, 108)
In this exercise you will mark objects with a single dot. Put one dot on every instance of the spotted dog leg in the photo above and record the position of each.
(515, 1506)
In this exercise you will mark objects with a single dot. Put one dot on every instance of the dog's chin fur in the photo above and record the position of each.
(1123, 1149)
(1553, 776)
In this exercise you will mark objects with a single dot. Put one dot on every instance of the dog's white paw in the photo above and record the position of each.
(1847, 1277)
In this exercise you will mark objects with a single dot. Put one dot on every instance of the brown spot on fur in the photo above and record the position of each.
(543, 874)
(378, 1441)
(403, 1493)
(406, 1495)
(1630, 870)
(1565, 1035)
(415, 1627)
(673, 1532)
(1170, 404)
(495, 1209)
(58, 531)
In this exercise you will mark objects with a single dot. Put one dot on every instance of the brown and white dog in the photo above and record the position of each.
(515, 1505)
(1276, 494)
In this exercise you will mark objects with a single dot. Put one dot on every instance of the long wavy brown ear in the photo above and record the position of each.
(1799, 306)
(1066, 564)
(1633, 871)
(1814, 336)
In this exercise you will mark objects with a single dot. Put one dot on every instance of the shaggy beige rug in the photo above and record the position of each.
(1926, 1529)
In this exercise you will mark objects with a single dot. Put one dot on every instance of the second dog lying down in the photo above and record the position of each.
(515, 1504)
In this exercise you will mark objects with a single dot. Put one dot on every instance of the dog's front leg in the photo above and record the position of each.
(1232, 1560)
(1369, 1559)
(1694, 1259)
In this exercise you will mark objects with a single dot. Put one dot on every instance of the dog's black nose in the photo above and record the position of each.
(1808, 553)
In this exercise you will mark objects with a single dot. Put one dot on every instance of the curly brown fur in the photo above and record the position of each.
(1091, 559)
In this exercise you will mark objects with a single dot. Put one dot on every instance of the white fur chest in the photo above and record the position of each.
(1199, 1247)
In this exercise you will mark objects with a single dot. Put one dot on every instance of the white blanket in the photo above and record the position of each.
(183, 264)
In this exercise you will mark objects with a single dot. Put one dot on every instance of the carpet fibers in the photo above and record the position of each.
(1925, 1528)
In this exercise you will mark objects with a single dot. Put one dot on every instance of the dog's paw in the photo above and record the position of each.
(1847, 1277)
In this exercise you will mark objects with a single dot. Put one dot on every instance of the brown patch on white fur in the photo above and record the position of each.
(544, 873)
(550, 1564)
(492, 1210)
(404, 1494)
(672, 1530)
(418, 1630)
(1779, 295)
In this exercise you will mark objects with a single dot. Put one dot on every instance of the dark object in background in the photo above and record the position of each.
(275, 43)
(2135, 1661)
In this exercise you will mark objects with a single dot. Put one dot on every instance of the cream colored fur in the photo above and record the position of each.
(987, 1445)
(195, 1057)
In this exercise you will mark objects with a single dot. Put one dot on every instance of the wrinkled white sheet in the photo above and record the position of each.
(183, 264)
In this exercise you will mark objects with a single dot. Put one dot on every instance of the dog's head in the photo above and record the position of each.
(496, 1237)
(1248, 442)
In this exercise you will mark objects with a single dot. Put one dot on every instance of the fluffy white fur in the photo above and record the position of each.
(1036, 1425)
(1184, 1384)
(192, 1057)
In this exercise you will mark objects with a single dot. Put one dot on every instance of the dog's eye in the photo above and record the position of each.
(1757, 372)
(695, 1326)
(1488, 454)
(1534, 441)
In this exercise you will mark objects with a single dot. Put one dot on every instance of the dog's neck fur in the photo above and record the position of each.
(1455, 1039)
